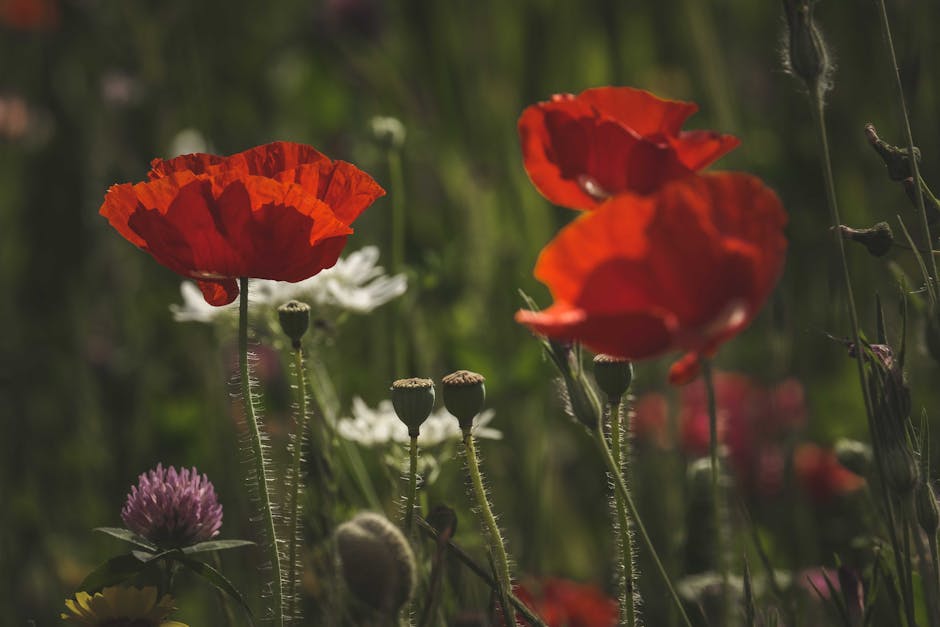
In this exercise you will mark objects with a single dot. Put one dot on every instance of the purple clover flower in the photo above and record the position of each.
(172, 508)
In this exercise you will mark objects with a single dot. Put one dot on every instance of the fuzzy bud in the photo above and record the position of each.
(377, 562)
(582, 400)
(388, 131)
(295, 320)
(854, 455)
(613, 375)
(413, 400)
(878, 239)
(928, 514)
(464, 394)
(806, 55)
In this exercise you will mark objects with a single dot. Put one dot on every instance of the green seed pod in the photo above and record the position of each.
(295, 320)
(464, 395)
(413, 400)
(878, 239)
(613, 375)
(854, 455)
(377, 562)
(928, 514)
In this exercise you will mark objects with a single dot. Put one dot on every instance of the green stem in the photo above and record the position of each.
(621, 487)
(494, 537)
(919, 193)
(227, 614)
(412, 485)
(721, 544)
(928, 576)
(935, 561)
(624, 539)
(820, 119)
(296, 486)
(259, 476)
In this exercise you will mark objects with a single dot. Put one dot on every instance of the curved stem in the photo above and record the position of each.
(257, 452)
(412, 485)
(627, 579)
(494, 537)
(721, 544)
(621, 488)
(296, 485)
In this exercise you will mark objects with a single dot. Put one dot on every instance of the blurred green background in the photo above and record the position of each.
(98, 383)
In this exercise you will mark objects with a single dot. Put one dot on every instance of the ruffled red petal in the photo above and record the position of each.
(640, 110)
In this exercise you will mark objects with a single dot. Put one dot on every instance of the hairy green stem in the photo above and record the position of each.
(494, 537)
(296, 486)
(721, 543)
(818, 110)
(919, 193)
(412, 485)
(621, 487)
(627, 578)
(257, 453)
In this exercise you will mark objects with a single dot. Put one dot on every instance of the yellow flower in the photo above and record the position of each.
(121, 607)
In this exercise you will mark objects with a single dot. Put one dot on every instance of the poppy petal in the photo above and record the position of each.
(219, 293)
(646, 113)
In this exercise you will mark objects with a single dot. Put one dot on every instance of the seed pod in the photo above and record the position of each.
(413, 400)
(295, 320)
(464, 395)
(613, 375)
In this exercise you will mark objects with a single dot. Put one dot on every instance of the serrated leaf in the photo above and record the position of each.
(216, 578)
(127, 536)
(115, 570)
(215, 545)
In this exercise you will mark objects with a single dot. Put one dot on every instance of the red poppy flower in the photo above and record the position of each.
(580, 150)
(29, 14)
(280, 211)
(821, 475)
(563, 603)
(684, 269)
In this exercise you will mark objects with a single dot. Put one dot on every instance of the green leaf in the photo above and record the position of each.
(128, 536)
(114, 571)
(216, 578)
(215, 545)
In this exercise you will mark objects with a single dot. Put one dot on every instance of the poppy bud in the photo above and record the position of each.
(878, 239)
(928, 514)
(613, 375)
(377, 562)
(582, 401)
(901, 472)
(295, 320)
(896, 159)
(854, 455)
(805, 54)
(413, 400)
(464, 394)
(388, 131)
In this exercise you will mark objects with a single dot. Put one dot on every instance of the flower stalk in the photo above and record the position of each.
(296, 487)
(412, 485)
(619, 444)
(259, 469)
(721, 539)
(490, 527)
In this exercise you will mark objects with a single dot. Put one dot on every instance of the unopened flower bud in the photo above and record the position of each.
(613, 375)
(854, 455)
(464, 394)
(806, 55)
(377, 562)
(901, 472)
(928, 514)
(582, 401)
(413, 400)
(896, 159)
(878, 239)
(388, 131)
(295, 320)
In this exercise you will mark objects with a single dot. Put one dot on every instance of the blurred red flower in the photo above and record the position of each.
(684, 269)
(29, 14)
(563, 603)
(280, 211)
(580, 150)
(821, 475)
(752, 420)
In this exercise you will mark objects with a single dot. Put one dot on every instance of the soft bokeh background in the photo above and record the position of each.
(98, 383)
